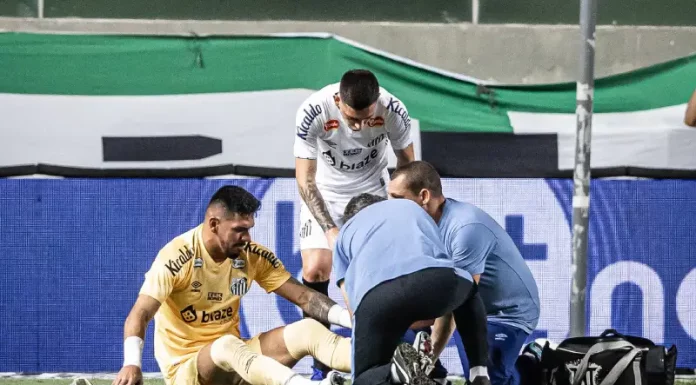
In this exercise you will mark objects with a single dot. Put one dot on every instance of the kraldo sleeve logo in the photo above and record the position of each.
(265, 254)
(397, 108)
(311, 113)
(175, 265)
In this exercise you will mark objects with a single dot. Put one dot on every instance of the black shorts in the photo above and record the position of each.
(386, 312)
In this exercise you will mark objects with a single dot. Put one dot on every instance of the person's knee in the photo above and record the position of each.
(316, 265)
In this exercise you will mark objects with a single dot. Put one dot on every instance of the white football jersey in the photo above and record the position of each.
(350, 162)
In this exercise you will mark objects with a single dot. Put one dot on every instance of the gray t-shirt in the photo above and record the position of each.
(387, 240)
(479, 245)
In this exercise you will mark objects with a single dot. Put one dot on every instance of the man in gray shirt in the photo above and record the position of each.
(479, 245)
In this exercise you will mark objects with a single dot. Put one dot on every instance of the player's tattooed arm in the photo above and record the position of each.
(315, 304)
(305, 172)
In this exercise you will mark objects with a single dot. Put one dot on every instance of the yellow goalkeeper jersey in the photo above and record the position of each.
(200, 298)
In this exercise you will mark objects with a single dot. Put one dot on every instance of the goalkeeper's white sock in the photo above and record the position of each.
(478, 371)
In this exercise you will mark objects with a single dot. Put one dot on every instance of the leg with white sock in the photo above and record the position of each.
(228, 358)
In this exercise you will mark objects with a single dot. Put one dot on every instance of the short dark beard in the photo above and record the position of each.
(238, 249)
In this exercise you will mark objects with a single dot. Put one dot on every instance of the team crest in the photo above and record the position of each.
(329, 158)
(306, 229)
(239, 286)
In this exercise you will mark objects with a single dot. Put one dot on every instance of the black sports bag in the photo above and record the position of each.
(610, 359)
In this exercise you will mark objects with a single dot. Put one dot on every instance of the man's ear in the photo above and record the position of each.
(424, 196)
(214, 224)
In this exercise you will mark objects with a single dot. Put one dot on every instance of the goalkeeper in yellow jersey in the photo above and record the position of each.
(193, 290)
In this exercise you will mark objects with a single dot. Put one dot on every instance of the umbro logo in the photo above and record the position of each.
(196, 286)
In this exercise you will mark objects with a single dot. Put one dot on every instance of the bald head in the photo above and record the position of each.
(418, 181)
(416, 176)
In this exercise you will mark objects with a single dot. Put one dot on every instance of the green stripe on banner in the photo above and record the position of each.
(661, 85)
(66, 64)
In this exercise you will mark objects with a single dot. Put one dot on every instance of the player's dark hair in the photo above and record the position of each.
(358, 203)
(235, 200)
(420, 175)
(359, 89)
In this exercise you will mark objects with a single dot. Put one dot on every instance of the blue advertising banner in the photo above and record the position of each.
(75, 252)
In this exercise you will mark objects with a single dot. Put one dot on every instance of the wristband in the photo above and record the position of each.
(133, 351)
(339, 316)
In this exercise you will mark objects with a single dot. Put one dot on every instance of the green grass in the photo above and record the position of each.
(33, 381)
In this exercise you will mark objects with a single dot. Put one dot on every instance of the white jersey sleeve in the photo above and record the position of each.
(398, 124)
(307, 124)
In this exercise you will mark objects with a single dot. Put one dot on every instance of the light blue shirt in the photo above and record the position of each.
(479, 245)
(387, 240)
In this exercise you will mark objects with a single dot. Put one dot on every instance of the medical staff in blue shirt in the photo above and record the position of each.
(479, 245)
(394, 270)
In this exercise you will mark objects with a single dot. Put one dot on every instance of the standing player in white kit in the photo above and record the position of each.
(341, 151)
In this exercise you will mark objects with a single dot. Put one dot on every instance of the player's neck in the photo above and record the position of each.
(439, 203)
(216, 254)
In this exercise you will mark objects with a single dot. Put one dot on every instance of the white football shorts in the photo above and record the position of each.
(311, 234)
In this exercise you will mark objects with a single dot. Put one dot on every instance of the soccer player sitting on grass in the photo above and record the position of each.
(193, 290)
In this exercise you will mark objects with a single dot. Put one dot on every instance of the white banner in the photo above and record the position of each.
(255, 128)
(655, 138)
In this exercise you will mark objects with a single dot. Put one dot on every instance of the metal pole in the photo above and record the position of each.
(40, 9)
(475, 9)
(581, 176)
